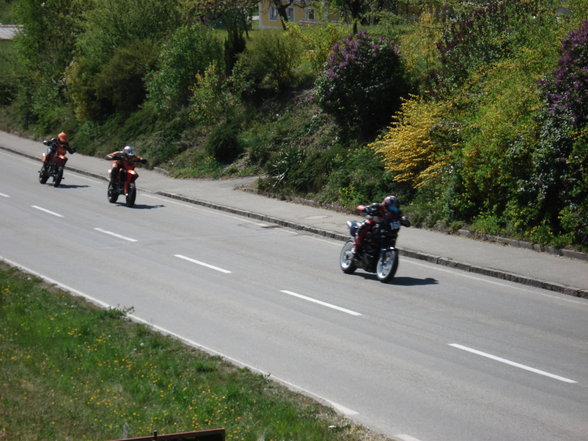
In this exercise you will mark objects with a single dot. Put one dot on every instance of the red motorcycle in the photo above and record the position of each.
(124, 183)
(53, 164)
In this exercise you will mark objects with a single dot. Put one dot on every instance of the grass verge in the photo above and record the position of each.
(72, 371)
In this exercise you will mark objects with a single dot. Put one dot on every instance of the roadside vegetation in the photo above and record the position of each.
(474, 113)
(71, 371)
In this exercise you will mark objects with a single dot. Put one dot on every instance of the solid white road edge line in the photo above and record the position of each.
(511, 363)
(328, 305)
(197, 262)
(119, 236)
(47, 211)
(344, 410)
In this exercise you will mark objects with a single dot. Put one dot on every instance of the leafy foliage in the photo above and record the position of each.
(120, 81)
(560, 173)
(190, 50)
(567, 91)
(357, 177)
(50, 31)
(113, 30)
(318, 42)
(212, 100)
(269, 63)
(223, 144)
(362, 83)
(480, 33)
(45, 48)
(496, 139)
(207, 8)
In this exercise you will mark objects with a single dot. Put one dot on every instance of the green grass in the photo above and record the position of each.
(71, 371)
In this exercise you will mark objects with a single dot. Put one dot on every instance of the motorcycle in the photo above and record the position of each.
(53, 167)
(124, 184)
(378, 253)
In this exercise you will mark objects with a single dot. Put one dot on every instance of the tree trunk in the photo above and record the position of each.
(282, 9)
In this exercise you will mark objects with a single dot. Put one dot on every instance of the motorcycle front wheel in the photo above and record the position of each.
(58, 177)
(387, 265)
(346, 258)
(43, 175)
(112, 193)
(132, 195)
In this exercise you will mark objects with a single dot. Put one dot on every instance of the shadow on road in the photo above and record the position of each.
(411, 281)
(141, 206)
(71, 186)
(401, 281)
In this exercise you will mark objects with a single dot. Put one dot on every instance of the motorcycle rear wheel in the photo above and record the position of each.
(112, 193)
(58, 177)
(346, 258)
(387, 266)
(132, 195)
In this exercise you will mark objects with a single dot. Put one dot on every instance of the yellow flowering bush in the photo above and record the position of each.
(408, 147)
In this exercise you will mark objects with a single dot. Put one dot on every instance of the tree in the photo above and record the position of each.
(49, 33)
(232, 12)
(283, 5)
(189, 51)
(111, 29)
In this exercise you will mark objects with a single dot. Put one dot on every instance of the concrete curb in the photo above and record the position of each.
(491, 272)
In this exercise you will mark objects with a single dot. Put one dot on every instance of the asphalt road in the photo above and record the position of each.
(438, 355)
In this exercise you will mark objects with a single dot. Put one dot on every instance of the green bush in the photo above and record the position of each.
(357, 177)
(269, 63)
(212, 99)
(189, 51)
(113, 30)
(9, 73)
(480, 33)
(223, 143)
(120, 81)
(318, 42)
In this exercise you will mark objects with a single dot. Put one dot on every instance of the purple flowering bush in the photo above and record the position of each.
(362, 83)
(560, 173)
(567, 92)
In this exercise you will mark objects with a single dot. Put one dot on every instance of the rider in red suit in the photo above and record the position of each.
(386, 213)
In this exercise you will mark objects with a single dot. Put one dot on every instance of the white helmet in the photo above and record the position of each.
(128, 150)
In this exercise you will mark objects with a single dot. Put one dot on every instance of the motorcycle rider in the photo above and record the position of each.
(386, 214)
(126, 154)
(61, 141)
